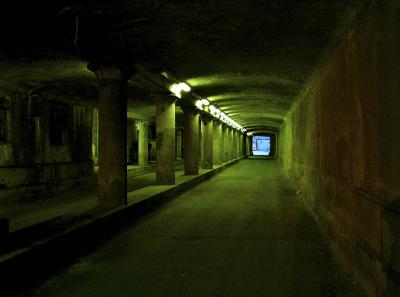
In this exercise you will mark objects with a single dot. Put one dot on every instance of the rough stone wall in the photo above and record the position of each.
(48, 146)
(341, 146)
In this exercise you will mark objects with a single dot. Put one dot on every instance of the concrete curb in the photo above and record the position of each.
(23, 268)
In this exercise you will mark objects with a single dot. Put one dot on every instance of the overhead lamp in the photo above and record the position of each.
(184, 87)
(177, 89)
(199, 104)
(214, 111)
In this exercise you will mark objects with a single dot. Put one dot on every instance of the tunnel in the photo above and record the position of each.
(200, 148)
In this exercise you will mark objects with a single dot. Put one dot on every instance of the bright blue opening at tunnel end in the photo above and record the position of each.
(261, 145)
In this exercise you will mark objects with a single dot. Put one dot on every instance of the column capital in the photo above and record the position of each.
(206, 117)
(227, 127)
(190, 109)
(217, 121)
(143, 122)
(107, 72)
(164, 97)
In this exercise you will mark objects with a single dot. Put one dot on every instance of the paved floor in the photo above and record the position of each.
(27, 212)
(242, 233)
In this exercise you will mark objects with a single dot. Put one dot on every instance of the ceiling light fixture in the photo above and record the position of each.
(177, 89)
(212, 108)
(198, 104)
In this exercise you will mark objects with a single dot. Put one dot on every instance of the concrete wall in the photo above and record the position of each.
(48, 145)
(341, 146)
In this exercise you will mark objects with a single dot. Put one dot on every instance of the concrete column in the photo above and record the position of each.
(207, 141)
(234, 144)
(165, 130)
(112, 136)
(244, 145)
(130, 140)
(217, 143)
(191, 141)
(143, 143)
(38, 144)
(223, 143)
(247, 145)
(200, 142)
(250, 145)
(239, 153)
(239, 144)
(230, 143)
(241, 139)
(178, 144)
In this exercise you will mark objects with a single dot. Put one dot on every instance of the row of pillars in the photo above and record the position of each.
(219, 142)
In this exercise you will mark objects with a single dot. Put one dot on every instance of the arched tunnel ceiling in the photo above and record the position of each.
(248, 57)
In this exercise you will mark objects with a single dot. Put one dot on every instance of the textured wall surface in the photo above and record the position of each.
(48, 146)
(341, 146)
